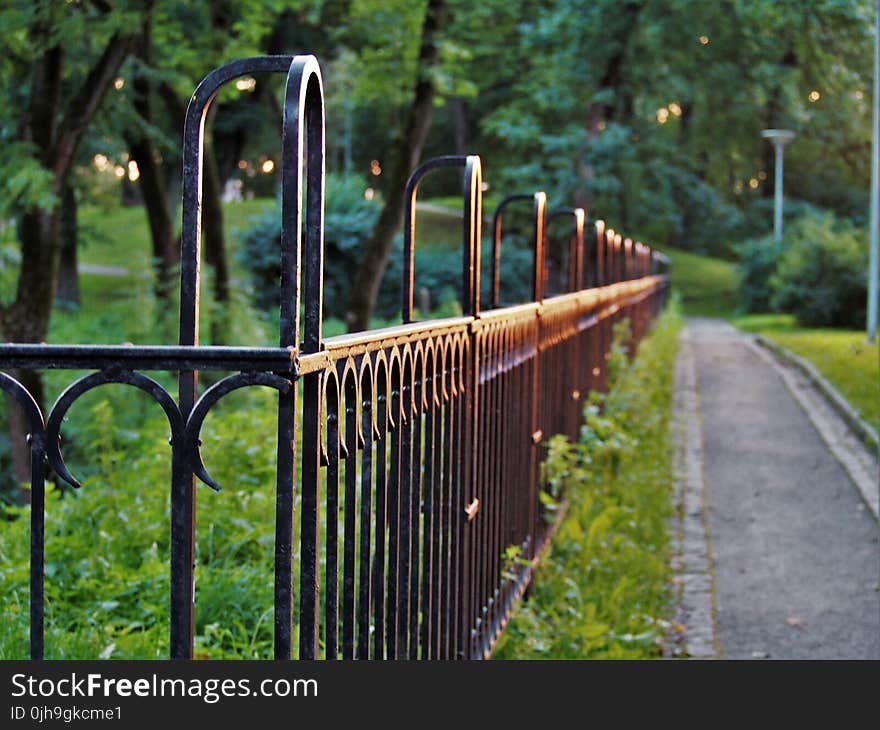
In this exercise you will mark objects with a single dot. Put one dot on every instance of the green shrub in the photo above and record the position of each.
(348, 220)
(438, 269)
(820, 277)
(758, 259)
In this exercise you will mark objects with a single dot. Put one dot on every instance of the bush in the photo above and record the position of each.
(758, 260)
(439, 270)
(348, 221)
(820, 277)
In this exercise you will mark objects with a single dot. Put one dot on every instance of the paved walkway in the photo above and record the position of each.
(780, 550)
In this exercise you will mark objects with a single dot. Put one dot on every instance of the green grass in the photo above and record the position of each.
(119, 236)
(456, 202)
(603, 592)
(844, 357)
(707, 286)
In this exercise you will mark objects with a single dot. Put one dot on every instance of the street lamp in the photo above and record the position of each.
(874, 256)
(779, 138)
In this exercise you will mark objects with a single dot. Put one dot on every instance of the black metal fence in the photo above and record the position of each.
(420, 444)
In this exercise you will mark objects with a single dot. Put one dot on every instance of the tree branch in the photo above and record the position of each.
(84, 104)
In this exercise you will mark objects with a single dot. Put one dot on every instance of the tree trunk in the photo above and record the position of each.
(405, 154)
(163, 242)
(55, 134)
(27, 319)
(215, 249)
(152, 181)
(67, 287)
(598, 113)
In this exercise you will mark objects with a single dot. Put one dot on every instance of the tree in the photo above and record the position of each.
(67, 83)
(405, 152)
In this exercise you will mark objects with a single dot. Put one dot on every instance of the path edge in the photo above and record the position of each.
(852, 419)
(695, 634)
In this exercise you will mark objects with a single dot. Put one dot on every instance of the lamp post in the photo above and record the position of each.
(874, 256)
(779, 138)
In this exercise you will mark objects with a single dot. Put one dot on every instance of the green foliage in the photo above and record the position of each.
(348, 220)
(438, 268)
(820, 277)
(107, 545)
(758, 260)
(650, 113)
(23, 181)
(603, 591)
(817, 273)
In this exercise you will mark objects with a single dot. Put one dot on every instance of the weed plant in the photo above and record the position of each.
(603, 591)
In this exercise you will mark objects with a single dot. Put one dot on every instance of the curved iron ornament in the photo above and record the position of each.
(22, 396)
(37, 445)
(89, 382)
(210, 398)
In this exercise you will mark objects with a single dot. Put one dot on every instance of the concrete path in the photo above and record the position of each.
(780, 550)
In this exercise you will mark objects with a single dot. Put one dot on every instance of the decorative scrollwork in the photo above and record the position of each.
(204, 404)
(89, 382)
(23, 397)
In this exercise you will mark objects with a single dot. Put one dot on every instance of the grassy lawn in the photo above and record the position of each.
(844, 357)
(707, 285)
(120, 237)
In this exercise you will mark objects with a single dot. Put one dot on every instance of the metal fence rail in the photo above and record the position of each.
(421, 443)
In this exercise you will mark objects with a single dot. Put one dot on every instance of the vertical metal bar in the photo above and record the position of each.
(405, 496)
(394, 516)
(309, 510)
(465, 496)
(382, 387)
(539, 245)
(429, 495)
(38, 516)
(576, 265)
(450, 462)
(444, 563)
(302, 243)
(349, 539)
(331, 559)
(415, 510)
(364, 587)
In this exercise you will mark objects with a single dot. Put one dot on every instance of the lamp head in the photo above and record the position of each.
(779, 137)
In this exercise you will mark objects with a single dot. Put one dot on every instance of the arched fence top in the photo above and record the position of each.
(539, 218)
(472, 198)
(576, 253)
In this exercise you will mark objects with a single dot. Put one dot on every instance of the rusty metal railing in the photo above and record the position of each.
(420, 443)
